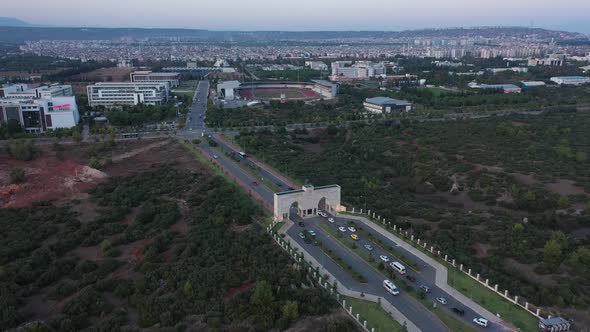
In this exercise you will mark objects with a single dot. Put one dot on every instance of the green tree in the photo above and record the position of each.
(552, 254)
(76, 137)
(579, 261)
(290, 311)
(22, 150)
(563, 202)
(17, 175)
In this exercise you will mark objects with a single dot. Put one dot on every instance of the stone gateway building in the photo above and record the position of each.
(307, 201)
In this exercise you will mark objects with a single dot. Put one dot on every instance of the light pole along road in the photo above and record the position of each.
(409, 307)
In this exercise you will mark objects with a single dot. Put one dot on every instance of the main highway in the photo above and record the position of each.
(407, 305)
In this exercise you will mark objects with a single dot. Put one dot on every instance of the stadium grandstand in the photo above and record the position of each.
(286, 90)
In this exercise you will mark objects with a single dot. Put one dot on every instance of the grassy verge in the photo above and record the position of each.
(477, 292)
(389, 249)
(375, 316)
(345, 266)
(492, 301)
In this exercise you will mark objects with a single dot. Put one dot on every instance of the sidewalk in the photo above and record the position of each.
(441, 270)
(388, 307)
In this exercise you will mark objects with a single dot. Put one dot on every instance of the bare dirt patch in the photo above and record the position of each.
(233, 292)
(528, 272)
(565, 187)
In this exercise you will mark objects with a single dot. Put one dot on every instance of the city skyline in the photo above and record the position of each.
(304, 15)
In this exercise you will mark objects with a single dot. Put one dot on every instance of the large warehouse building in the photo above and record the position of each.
(127, 93)
(386, 105)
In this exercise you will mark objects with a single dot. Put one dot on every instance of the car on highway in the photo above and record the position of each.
(354, 237)
(312, 233)
(342, 229)
(425, 288)
(352, 229)
(384, 258)
(411, 279)
(255, 183)
(301, 224)
(368, 247)
(331, 219)
(481, 321)
(458, 311)
(301, 235)
(441, 300)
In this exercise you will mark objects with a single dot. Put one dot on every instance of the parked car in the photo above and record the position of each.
(215, 156)
(481, 321)
(312, 233)
(384, 258)
(441, 300)
(352, 229)
(425, 288)
(301, 235)
(354, 237)
(411, 279)
(331, 219)
(301, 224)
(342, 229)
(458, 311)
(368, 247)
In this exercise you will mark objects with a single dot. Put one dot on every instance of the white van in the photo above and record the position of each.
(398, 267)
(390, 286)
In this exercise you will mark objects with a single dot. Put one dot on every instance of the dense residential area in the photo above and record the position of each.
(208, 180)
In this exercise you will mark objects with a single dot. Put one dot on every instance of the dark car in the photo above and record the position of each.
(301, 224)
(410, 278)
(255, 183)
(458, 311)
(425, 288)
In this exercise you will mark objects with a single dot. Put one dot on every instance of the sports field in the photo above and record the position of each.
(277, 93)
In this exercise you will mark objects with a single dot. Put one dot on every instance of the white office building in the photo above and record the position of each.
(109, 94)
(23, 91)
(40, 115)
(545, 62)
(360, 70)
(173, 79)
(571, 80)
(316, 65)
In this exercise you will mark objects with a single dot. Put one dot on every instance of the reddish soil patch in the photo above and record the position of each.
(238, 290)
(481, 250)
(130, 217)
(46, 179)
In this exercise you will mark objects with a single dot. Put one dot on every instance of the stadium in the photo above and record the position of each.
(274, 90)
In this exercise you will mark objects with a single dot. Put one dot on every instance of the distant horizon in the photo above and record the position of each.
(400, 29)
(303, 15)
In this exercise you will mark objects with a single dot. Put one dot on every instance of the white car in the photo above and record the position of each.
(352, 229)
(331, 219)
(384, 258)
(441, 300)
(323, 214)
(215, 156)
(481, 321)
(368, 247)
(312, 233)
(342, 229)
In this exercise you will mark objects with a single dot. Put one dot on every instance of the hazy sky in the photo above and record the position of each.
(571, 15)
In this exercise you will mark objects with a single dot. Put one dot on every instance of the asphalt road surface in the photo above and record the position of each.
(421, 317)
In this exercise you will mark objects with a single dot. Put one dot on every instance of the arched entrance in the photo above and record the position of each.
(307, 201)
(294, 210)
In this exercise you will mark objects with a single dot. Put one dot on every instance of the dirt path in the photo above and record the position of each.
(135, 152)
